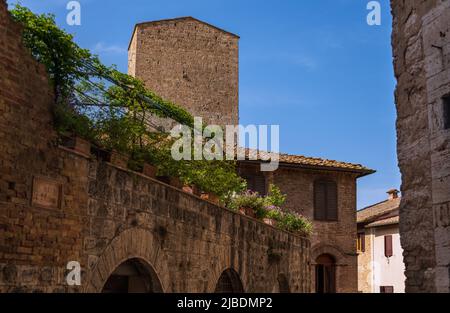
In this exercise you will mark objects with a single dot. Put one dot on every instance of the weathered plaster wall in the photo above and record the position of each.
(107, 214)
(365, 263)
(421, 37)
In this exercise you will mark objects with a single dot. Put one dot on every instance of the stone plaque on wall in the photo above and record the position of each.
(46, 193)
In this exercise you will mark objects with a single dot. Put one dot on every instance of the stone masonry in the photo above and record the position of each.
(421, 48)
(196, 65)
(59, 205)
(334, 238)
(191, 63)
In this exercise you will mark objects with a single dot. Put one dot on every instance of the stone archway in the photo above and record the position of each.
(133, 244)
(133, 276)
(325, 274)
(327, 258)
(229, 282)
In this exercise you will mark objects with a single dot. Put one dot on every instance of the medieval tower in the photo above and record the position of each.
(191, 63)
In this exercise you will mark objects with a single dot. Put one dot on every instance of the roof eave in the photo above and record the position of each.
(360, 172)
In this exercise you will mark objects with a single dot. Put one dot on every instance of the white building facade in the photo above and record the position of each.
(380, 255)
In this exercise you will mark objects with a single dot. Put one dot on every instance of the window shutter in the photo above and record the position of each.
(331, 201)
(388, 246)
(320, 201)
(387, 289)
(260, 185)
(256, 183)
(363, 242)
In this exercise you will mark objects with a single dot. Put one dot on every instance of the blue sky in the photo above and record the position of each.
(313, 67)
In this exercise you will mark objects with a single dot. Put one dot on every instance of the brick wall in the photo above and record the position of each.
(421, 48)
(106, 215)
(335, 238)
(190, 63)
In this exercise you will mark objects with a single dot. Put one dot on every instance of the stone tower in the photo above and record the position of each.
(190, 63)
(421, 48)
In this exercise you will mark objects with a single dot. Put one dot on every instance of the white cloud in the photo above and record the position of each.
(303, 61)
(101, 47)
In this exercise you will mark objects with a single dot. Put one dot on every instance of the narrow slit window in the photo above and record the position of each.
(446, 103)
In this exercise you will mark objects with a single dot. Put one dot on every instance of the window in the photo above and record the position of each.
(446, 103)
(325, 201)
(388, 246)
(361, 242)
(256, 183)
(387, 289)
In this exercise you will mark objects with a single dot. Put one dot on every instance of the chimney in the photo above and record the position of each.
(393, 194)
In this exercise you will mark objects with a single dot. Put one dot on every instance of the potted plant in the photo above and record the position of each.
(295, 223)
(273, 215)
(188, 189)
(149, 170)
(118, 159)
(249, 203)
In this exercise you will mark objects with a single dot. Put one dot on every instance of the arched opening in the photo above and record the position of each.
(229, 282)
(133, 276)
(325, 274)
(283, 284)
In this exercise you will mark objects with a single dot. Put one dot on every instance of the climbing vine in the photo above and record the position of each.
(115, 110)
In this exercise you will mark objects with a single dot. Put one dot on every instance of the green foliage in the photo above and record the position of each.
(53, 47)
(269, 207)
(248, 200)
(295, 223)
(80, 77)
(274, 213)
(275, 197)
(113, 109)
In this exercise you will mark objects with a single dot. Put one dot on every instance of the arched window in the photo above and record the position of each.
(133, 276)
(325, 200)
(229, 282)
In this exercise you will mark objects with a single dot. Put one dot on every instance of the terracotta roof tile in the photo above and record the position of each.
(384, 222)
(315, 162)
(377, 211)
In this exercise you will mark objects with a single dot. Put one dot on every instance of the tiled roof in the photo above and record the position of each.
(378, 211)
(384, 222)
(316, 162)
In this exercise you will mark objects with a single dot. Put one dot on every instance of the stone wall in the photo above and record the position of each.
(59, 205)
(365, 262)
(421, 42)
(190, 63)
(337, 239)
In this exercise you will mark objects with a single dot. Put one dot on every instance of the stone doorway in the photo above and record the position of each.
(229, 282)
(325, 274)
(133, 276)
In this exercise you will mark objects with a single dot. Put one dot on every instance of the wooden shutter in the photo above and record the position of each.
(320, 201)
(325, 201)
(331, 201)
(387, 289)
(363, 242)
(260, 184)
(256, 183)
(361, 246)
(388, 246)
